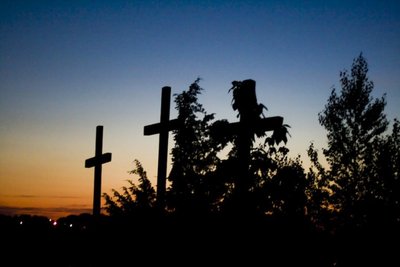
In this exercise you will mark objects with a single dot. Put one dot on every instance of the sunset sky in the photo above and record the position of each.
(68, 66)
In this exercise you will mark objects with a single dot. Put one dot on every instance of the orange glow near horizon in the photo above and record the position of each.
(55, 183)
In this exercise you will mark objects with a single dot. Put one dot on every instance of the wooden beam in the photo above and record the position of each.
(264, 124)
(97, 162)
(162, 128)
(158, 127)
(92, 162)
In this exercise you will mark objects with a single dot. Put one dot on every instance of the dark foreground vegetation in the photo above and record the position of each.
(254, 207)
(169, 240)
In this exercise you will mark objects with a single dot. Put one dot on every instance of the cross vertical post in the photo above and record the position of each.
(245, 133)
(163, 127)
(163, 149)
(244, 146)
(97, 162)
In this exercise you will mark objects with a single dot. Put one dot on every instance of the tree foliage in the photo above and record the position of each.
(135, 200)
(356, 191)
(359, 183)
(358, 154)
(194, 187)
(202, 182)
(353, 120)
(386, 169)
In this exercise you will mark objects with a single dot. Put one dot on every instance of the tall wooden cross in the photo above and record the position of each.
(163, 127)
(97, 162)
(245, 130)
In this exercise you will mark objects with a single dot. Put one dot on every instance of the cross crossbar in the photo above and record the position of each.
(158, 127)
(264, 124)
(92, 162)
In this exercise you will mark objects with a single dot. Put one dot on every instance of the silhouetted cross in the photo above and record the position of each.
(97, 162)
(249, 124)
(163, 127)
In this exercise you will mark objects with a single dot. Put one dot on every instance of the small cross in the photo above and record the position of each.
(97, 162)
(163, 127)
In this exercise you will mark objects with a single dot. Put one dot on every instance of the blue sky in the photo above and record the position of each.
(67, 66)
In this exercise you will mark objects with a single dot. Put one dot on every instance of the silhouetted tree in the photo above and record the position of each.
(385, 155)
(278, 182)
(355, 123)
(201, 182)
(289, 184)
(135, 199)
(194, 186)
(322, 200)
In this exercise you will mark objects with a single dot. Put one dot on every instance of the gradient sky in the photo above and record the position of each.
(68, 66)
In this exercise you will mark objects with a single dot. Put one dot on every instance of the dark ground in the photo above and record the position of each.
(191, 242)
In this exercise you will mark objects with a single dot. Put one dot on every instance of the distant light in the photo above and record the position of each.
(70, 225)
(50, 220)
(54, 223)
(21, 222)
